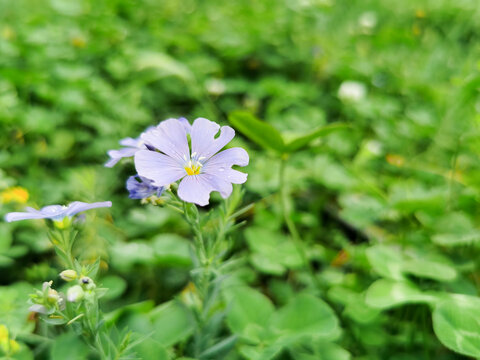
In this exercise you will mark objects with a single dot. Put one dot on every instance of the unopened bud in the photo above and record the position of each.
(52, 296)
(75, 293)
(46, 285)
(87, 283)
(69, 275)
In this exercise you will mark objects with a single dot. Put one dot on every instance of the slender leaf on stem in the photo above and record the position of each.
(258, 131)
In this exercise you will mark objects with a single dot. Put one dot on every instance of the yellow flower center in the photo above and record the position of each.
(193, 169)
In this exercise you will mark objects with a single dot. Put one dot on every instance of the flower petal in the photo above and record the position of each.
(142, 188)
(221, 164)
(17, 216)
(117, 155)
(197, 188)
(161, 169)
(130, 142)
(194, 189)
(186, 124)
(204, 143)
(170, 137)
(79, 206)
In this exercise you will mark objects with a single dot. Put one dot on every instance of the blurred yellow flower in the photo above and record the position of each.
(395, 160)
(78, 42)
(8, 346)
(14, 194)
(14, 347)
(3, 334)
(7, 33)
(420, 13)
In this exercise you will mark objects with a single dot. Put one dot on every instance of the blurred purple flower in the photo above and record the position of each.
(202, 170)
(142, 188)
(55, 212)
(131, 146)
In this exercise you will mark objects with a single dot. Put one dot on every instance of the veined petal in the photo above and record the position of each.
(218, 183)
(170, 137)
(186, 124)
(52, 211)
(204, 143)
(17, 216)
(142, 187)
(221, 164)
(117, 155)
(79, 206)
(130, 142)
(161, 169)
(197, 188)
(226, 159)
(194, 189)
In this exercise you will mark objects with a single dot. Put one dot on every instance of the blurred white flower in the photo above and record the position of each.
(352, 91)
(215, 87)
(368, 21)
(75, 293)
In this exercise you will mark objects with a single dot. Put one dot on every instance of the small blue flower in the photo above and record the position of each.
(142, 188)
(201, 169)
(131, 146)
(55, 212)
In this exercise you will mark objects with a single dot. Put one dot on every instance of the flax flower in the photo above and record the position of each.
(55, 212)
(200, 167)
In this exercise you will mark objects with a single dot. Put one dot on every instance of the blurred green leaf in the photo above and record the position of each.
(116, 286)
(258, 131)
(305, 316)
(14, 307)
(250, 312)
(173, 322)
(69, 346)
(386, 261)
(384, 294)
(172, 250)
(455, 322)
(300, 141)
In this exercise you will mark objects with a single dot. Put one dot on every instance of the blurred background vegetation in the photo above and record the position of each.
(394, 197)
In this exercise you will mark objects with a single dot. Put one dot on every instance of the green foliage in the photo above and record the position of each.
(455, 323)
(361, 122)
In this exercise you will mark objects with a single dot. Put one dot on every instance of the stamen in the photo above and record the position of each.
(193, 167)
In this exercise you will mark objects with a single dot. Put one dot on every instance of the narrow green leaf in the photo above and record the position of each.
(221, 349)
(303, 140)
(258, 131)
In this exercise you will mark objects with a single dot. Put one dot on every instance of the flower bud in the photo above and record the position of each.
(87, 283)
(46, 285)
(69, 275)
(75, 293)
(52, 296)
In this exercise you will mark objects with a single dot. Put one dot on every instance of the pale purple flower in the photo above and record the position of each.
(131, 146)
(142, 188)
(55, 212)
(202, 170)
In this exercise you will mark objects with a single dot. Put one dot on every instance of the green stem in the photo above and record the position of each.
(287, 215)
